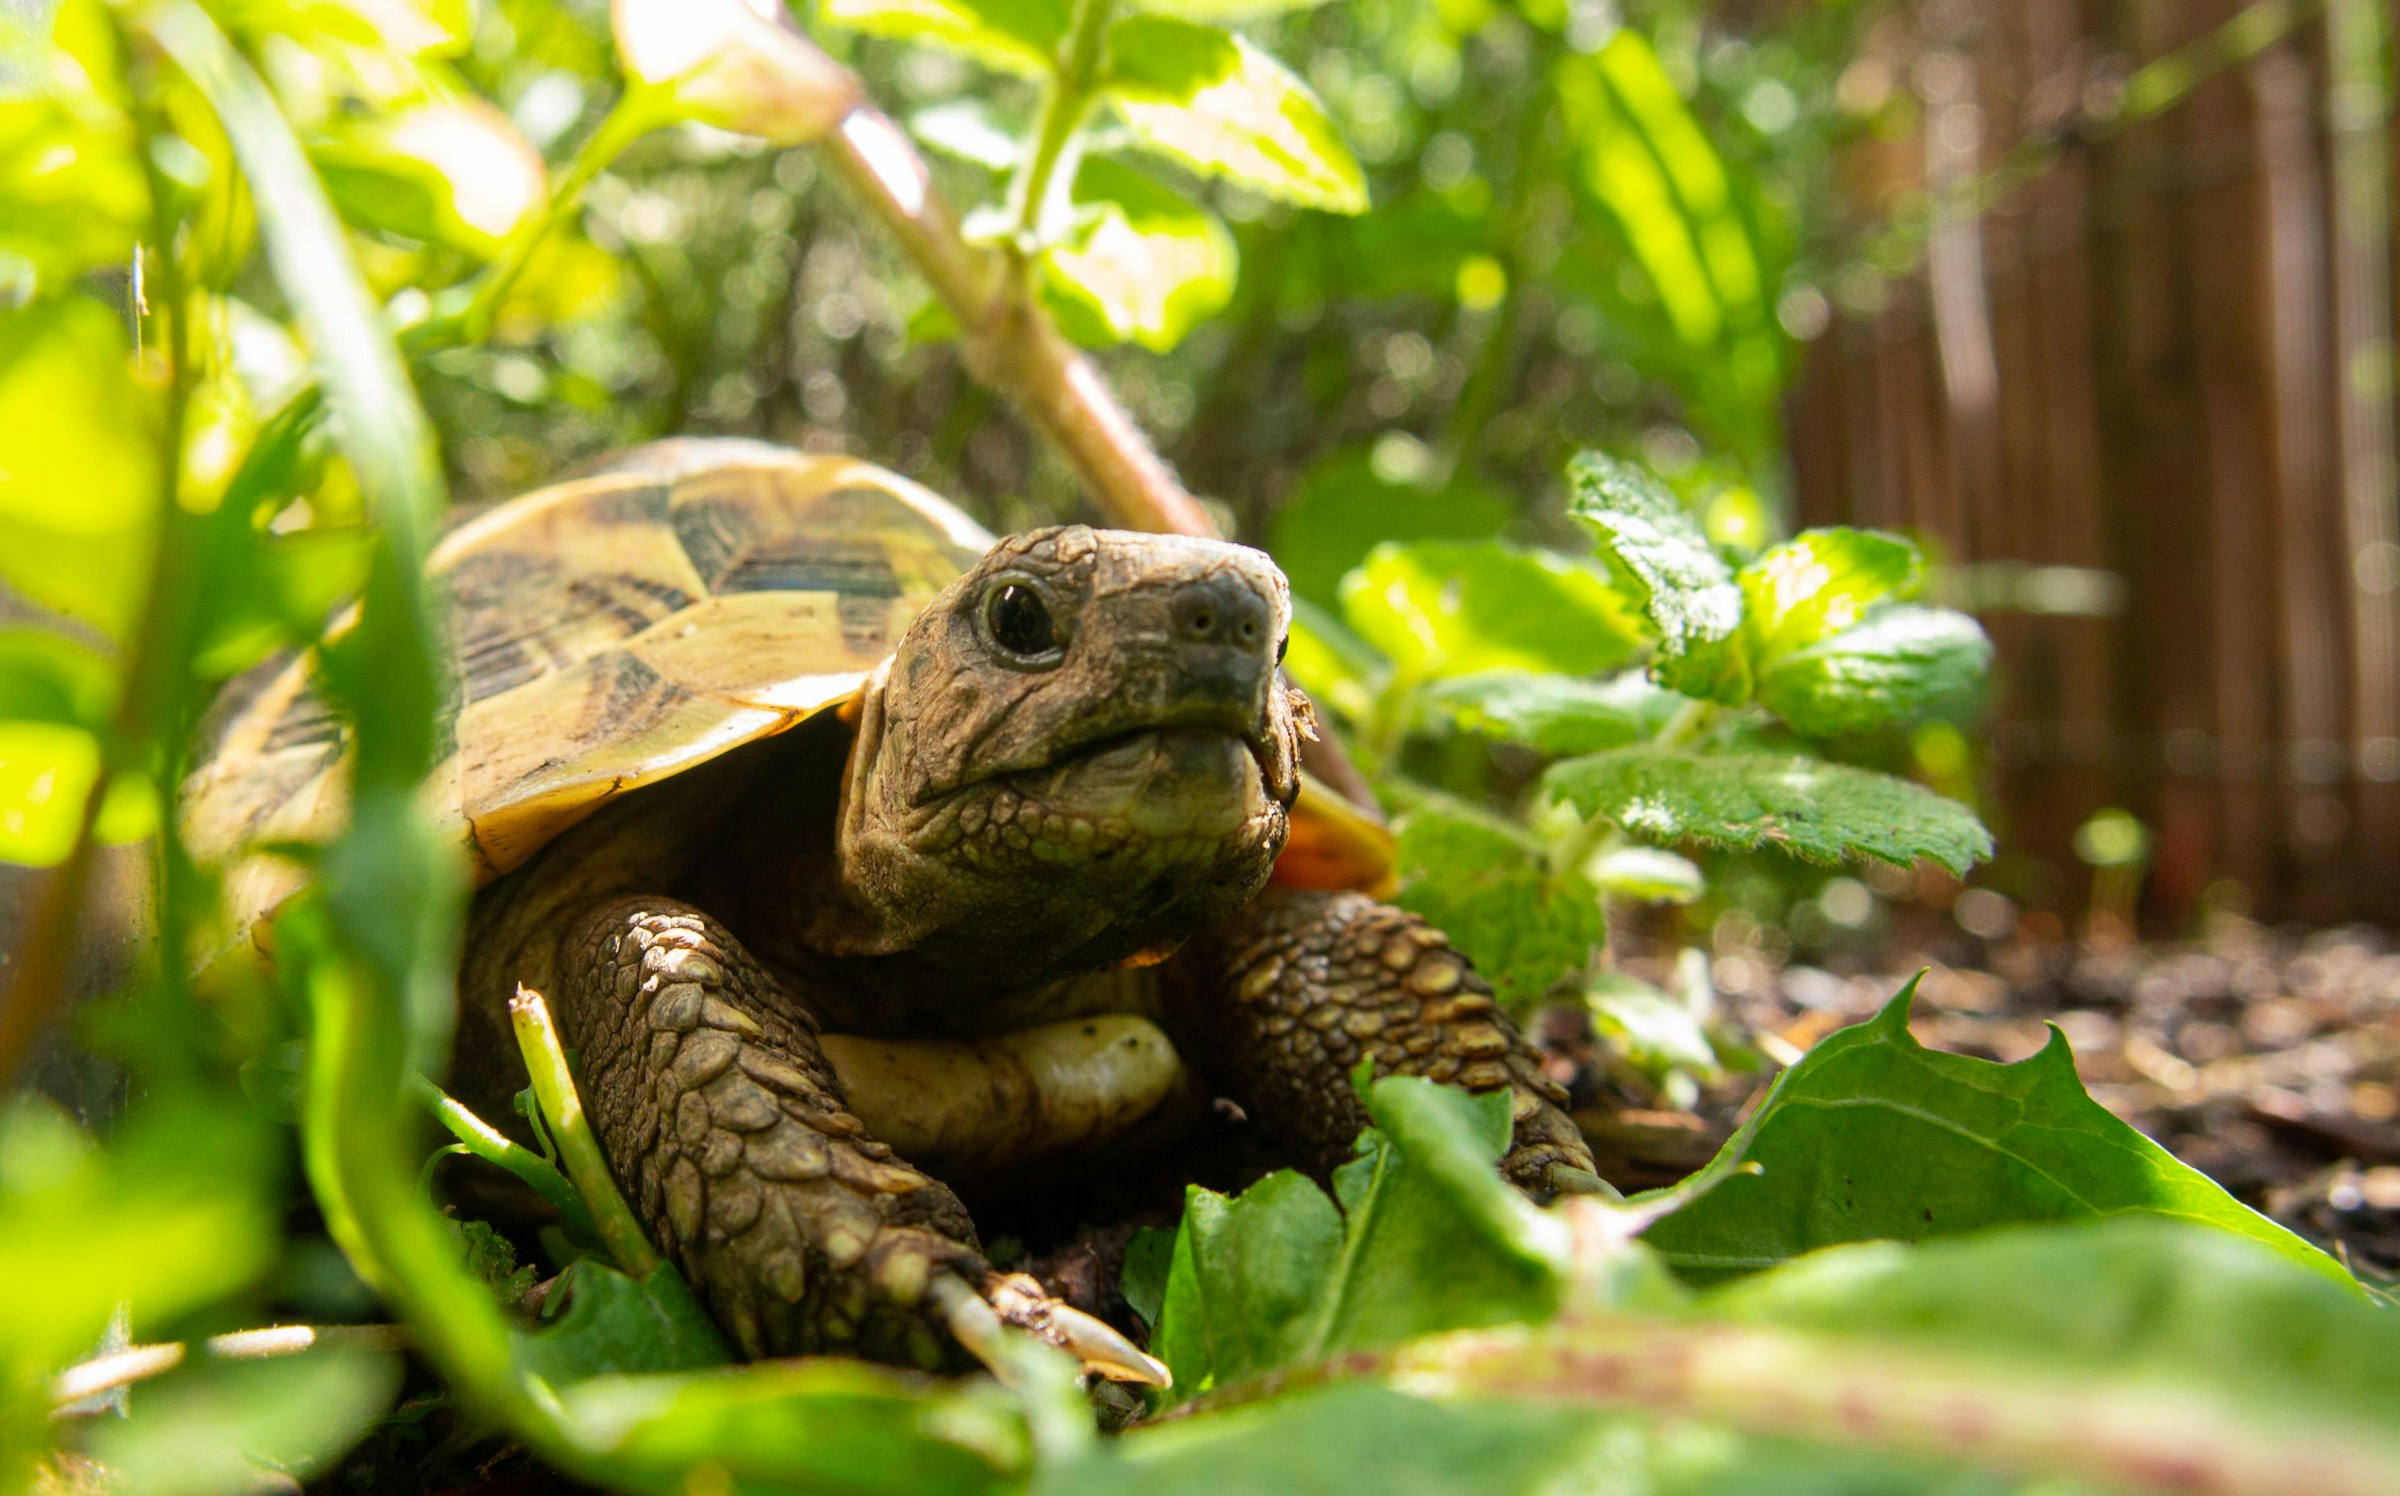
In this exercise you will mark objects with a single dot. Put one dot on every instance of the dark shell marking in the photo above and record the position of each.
(609, 632)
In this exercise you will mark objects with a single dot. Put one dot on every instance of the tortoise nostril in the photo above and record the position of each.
(1220, 613)
(1201, 625)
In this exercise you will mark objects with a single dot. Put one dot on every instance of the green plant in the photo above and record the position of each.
(236, 241)
(1751, 667)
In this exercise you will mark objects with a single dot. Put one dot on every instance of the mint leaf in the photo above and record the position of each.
(1018, 36)
(1440, 608)
(1553, 714)
(1428, 1237)
(1217, 104)
(1525, 930)
(1820, 582)
(613, 1322)
(1815, 811)
(1656, 549)
(1885, 671)
(1142, 264)
(1874, 1136)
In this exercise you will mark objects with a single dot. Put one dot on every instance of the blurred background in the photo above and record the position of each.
(2093, 297)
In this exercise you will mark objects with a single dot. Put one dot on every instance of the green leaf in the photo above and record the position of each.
(455, 173)
(1428, 1238)
(1333, 665)
(1658, 552)
(70, 163)
(1819, 812)
(1525, 929)
(616, 1323)
(1218, 104)
(1341, 1440)
(1245, 1288)
(80, 440)
(1149, 1258)
(1343, 508)
(1648, 873)
(2134, 1299)
(47, 677)
(1554, 714)
(1820, 582)
(1019, 36)
(822, 1424)
(1142, 264)
(1440, 608)
(1223, 12)
(1649, 1028)
(1888, 670)
(230, 1426)
(1874, 1136)
(968, 130)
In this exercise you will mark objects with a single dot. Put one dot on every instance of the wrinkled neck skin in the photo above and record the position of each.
(1000, 829)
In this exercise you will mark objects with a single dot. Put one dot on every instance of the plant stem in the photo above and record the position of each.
(137, 1363)
(488, 1143)
(554, 1088)
(1066, 99)
(1008, 342)
(628, 121)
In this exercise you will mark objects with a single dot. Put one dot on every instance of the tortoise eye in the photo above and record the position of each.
(1020, 621)
(1283, 646)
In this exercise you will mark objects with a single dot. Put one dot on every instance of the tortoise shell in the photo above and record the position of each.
(611, 631)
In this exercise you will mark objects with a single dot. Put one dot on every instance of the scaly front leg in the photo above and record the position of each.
(721, 1117)
(1302, 986)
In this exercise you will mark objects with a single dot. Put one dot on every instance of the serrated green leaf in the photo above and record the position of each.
(1440, 608)
(1820, 582)
(1874, 1136)
(1343, 508)
(1558, 715)
(1019, 36)
(1216, 103)
(1819, 812)
(1428, 1237)
(1142, 264)
(1662, 558)
(1526, 929)
(80, 440)
(1886, 671)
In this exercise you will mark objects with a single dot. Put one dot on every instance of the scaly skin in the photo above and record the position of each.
(726, 1128)
(1295, 992)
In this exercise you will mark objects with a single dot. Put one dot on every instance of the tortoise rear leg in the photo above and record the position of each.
(725, 1125)
(1289, 997)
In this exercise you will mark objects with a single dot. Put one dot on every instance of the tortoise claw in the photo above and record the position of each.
(1566, 1179)
(977, 1320)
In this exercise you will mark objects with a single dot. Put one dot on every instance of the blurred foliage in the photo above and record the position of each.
(282, 280)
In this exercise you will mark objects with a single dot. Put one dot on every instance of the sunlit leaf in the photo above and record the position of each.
(966, 129)
(1223, 12)
(1554, 714)
(1020, 36)
(1651, 1030)
(46, 773)
(1889, 670)
(1875, 1136)
(453, 172)
(728, 63)
(1527, 930)
(1442, 608)
(1820, 582)
(1142, 263)
(1649, 873)
(79, 462)
(47, 677)
(1656, 549)
(1216, 103)
(1815, 811)
(70, 168)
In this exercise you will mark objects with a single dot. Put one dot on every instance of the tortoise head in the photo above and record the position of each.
(1080, 753)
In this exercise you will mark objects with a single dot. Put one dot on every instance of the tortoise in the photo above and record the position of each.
(815, 809)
